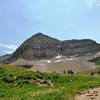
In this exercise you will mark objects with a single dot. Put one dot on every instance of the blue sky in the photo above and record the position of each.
(63, 19)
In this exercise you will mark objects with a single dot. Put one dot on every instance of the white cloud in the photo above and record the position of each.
(11, 47)
(9, 52)
(93, 3)
(7, 48)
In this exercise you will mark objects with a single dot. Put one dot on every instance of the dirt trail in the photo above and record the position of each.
(91, 94)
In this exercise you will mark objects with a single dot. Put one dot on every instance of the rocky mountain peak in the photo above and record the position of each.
(39, 34)
(41, 38)
(41, 46)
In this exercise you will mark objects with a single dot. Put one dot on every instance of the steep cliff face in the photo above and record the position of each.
(80, 47)
(37, 47)
(42, 46)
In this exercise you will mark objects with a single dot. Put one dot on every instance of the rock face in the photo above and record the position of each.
(80, 47)
(41, 46)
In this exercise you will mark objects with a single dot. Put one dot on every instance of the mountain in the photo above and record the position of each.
(41, 46)
(80, 47)
(7, 56)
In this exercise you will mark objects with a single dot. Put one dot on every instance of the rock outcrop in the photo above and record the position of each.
(41, 46)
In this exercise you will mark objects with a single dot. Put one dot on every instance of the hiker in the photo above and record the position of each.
(99, 72)
(64, 71)
(69, 71)
(72, 72)
(92, 73)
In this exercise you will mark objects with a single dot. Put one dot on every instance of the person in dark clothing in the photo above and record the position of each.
(72, 72)
(64, 71)
(92, 74)
(69, 71)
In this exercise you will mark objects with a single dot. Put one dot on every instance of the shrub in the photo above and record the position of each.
(8, 78)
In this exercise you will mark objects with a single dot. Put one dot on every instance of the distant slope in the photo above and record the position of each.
(98, 62)
(4, 58)
(96, 59)
(57, 64)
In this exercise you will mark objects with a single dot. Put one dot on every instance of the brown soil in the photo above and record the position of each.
(91, 94)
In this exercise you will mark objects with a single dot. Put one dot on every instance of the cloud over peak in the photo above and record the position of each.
(12, 47)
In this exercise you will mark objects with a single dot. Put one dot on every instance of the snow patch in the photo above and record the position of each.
(68, 59)
(49, 61)
(45, 61)
(59, 56)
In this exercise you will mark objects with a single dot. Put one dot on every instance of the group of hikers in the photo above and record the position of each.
(69, 72)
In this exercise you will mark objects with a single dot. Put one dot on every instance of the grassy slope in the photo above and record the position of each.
(20, 84)
(98, 62)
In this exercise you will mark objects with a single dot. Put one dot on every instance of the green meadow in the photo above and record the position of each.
(22, 84)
